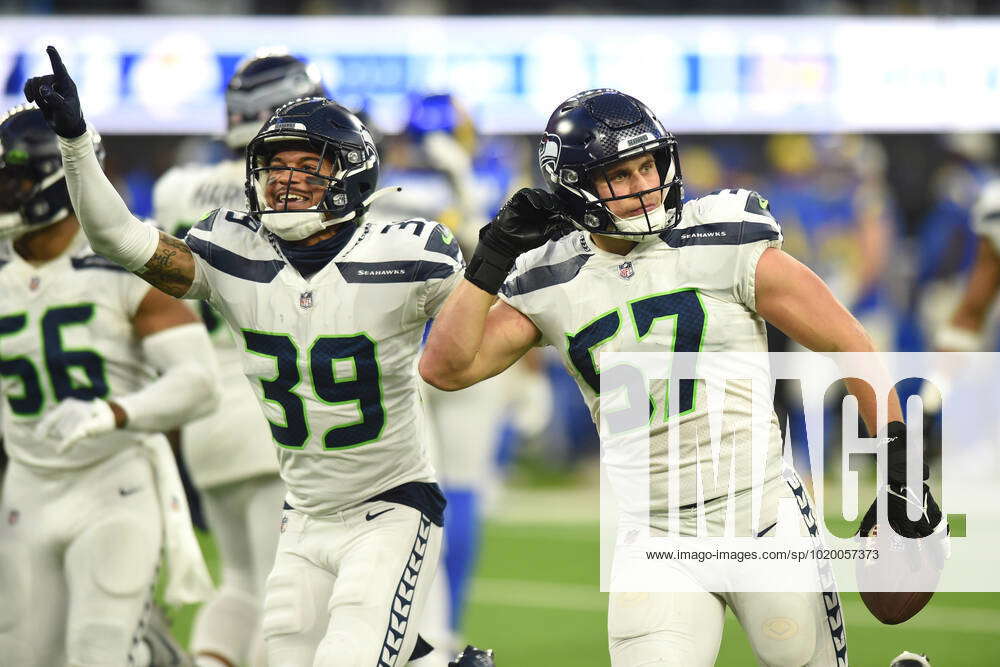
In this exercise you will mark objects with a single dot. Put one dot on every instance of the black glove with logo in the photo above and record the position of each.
(528, 219)
(55, 94)
(900, 496)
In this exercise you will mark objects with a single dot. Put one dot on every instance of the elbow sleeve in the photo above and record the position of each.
(110, 227)
(188, 387)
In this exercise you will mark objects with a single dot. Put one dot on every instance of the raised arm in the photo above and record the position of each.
(964, 331)
(472, 339)
(160, 259)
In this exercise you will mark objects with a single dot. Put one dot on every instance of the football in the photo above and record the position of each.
(893, 608)
(901, 581)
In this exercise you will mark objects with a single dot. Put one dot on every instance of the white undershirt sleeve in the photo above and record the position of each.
(111, 228)
(188, 386)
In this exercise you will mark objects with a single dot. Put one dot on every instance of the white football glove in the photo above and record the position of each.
(74, 420)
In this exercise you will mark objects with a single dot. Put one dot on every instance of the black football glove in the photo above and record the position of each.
(473, 657)
(528, 219)
(899, 495)
(55, 94)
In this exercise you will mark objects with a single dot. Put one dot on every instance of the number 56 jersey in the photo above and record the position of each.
(332, 358)
(66, 332)
(689, 290)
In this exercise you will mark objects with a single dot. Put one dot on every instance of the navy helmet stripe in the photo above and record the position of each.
(721, 233)
(96, 262)
(255, 270)
(541, 277)
(393, 272)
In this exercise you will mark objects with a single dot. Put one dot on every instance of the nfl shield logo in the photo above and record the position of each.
(306, 300)
(13, 517)
(34, 283)
(625, 270)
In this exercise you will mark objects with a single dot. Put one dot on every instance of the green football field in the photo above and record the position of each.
(535, 601)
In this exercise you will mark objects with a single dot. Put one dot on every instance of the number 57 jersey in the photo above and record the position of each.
(332, 358)
(689, 290)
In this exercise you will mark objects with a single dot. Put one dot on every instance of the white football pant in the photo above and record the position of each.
(348, 590)
(78, 559)
(786, 629)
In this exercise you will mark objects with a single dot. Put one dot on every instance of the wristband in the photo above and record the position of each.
(488, 268)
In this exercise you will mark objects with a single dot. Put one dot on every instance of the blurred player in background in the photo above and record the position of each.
(229, 454)
(955, 235)
(331, 310)
(964, 331)
(435, 162)
(710, 271)
(838, 218)
(95, 363)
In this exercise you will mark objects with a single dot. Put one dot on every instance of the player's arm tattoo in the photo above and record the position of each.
(171, 268)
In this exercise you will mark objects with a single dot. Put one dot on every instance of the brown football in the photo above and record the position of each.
(901, 581)
(893, 608)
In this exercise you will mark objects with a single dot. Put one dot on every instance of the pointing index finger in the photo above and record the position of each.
(57, 64)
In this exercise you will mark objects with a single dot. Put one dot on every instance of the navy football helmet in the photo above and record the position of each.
(33, 190)
(260, 85)
(333, 133)
(590, 132)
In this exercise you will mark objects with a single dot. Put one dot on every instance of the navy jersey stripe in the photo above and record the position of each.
(758, 205)
(393, 272)
(255, 270)
(207, 221)
(96, 262)
(437, 243)
(721, 233)
(540, 277)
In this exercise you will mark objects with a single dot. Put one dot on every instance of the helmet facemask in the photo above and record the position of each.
(592, 212)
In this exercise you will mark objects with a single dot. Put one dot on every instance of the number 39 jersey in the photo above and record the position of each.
(690, 290)
(66, 332)
(332, 359)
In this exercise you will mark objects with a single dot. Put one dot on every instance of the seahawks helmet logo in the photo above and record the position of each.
(548, 156)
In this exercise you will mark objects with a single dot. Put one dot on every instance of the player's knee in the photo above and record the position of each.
(122, 557)
(353, 641)
(98, 643)
(287, 609)
(226, 624)
(785, 642)
(14, 586)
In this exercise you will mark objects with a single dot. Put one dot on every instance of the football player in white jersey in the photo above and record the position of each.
(329, 311)
(94, 363)
(229, 453)
(691, 276)
(964, 332)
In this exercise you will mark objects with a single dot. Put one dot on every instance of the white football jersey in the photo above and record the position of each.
(66, 332)
(332, 358)
(690, 291)
(231, 443)
(986, 214)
